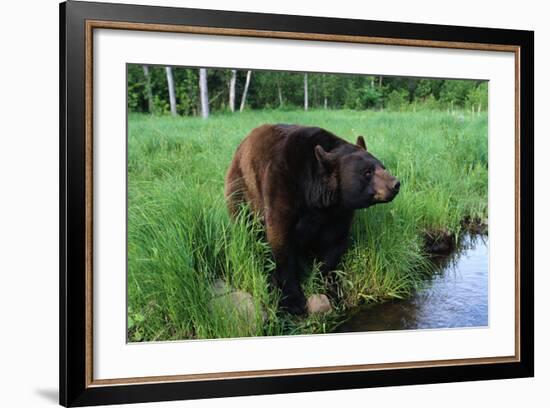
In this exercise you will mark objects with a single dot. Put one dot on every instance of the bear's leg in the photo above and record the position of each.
(330, 259)
(285, 277)
(234, 189)
(287, 270)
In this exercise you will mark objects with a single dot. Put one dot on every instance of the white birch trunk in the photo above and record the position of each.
(247, 83)
(305, 93)
(171, 91)
(203, 87)
(232, 83)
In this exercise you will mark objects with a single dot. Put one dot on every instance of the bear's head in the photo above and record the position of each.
(360, 178)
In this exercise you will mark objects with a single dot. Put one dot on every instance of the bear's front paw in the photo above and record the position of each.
(294, 303)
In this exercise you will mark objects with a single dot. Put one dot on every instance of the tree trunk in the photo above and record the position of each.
(203, 87)
(316, 93)
(380, 82)
(326, 103)
(280, 94)
(148, 88)
(305, 93)
(232, 83)
(171, 91)
(247, 83)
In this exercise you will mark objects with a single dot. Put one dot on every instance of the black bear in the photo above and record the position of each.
(305, 183)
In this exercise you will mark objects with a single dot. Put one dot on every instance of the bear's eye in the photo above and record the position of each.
(368, 173)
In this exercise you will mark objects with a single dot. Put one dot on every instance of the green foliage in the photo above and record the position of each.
(136, 88)
(187, 91)
(371, 96)
(429, 103)
(397, 100)
(285, 90)
(423, 89)
(181, 241)
(454, 93)
(477, 98)
(361, 93)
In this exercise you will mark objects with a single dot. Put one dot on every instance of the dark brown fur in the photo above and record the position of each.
(304, 183)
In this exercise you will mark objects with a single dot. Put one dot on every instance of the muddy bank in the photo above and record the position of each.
(442, 242)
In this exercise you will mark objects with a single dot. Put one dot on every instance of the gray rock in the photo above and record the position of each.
(240, 303)
(318, 304)
(220, 287)
(243, 302)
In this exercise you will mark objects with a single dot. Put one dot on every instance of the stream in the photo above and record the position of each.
(455, 295)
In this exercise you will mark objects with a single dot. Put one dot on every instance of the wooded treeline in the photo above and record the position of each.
(193, 91)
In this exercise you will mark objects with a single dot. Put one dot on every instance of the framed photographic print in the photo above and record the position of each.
(255, 203)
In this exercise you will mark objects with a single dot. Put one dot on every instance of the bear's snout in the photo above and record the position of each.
(386, 186)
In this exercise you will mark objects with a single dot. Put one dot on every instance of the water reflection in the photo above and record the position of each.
(455, 296)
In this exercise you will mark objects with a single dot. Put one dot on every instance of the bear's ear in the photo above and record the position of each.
(324, 159)
(361, 143)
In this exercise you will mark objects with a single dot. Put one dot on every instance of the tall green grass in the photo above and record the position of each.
(181, 242)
